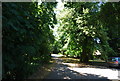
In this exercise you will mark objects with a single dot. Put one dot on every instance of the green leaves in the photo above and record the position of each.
(80, 22)
(110, 19)
(26, 35)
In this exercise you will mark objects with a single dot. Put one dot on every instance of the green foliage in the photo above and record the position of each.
(79, 27)
(27, 38)
(111, 20)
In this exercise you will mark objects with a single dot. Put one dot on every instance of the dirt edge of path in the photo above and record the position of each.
(43, 71)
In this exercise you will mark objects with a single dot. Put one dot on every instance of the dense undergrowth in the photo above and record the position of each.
(27, 37)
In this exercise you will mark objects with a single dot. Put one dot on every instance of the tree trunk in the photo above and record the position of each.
(86, 53)
(84, 56)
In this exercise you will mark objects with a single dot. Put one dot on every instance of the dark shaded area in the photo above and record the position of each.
(75, 80)
(27, 39)
(114, 43)
(57, 80)
(98, 64)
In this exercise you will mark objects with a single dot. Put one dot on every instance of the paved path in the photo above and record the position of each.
(63, 71)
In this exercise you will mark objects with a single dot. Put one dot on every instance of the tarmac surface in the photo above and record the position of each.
(65, 71)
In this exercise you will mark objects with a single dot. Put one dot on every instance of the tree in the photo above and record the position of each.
(27, 38)
(81, 24)
(110, 19)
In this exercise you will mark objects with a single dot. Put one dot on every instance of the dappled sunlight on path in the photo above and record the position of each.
(67, 71)
(62, 71)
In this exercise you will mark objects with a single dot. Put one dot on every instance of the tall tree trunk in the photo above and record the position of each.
(87, 52)
(84, 56)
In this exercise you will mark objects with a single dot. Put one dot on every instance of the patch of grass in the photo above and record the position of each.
(70, 60)
(91, 63)
(97, 62)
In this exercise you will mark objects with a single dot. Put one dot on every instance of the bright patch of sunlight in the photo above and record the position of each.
(59, 7)
(97, 52)
(39, 2)
(109, 73)
(66, 77)
(86, 10)
(48, 69)
(56, 55)
(71, 64)
(66, 45)
(51, 61)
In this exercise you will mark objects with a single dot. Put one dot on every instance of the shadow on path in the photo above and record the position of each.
(62, 71)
